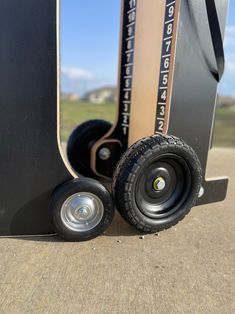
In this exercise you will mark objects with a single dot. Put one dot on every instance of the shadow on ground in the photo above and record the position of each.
(118, 228)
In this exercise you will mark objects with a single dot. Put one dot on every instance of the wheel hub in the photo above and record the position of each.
(162, 186)
(82, 212)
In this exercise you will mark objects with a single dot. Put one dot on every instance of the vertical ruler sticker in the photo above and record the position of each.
(167, 57)
(128, 43)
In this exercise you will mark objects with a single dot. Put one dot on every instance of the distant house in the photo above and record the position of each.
(70, 97)
(101, 95)
(226, 102)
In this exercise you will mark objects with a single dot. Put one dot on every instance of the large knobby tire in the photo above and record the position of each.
(80, 144)
(157, 182)
(81, 209)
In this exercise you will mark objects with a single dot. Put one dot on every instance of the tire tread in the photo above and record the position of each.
(124, 173)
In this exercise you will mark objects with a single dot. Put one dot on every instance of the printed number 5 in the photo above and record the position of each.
(165, 79)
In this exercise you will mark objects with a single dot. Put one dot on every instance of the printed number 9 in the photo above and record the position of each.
(171, 11)
(132, 3)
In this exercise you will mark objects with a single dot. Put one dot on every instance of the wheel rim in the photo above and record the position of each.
(162, 186)
(82, 212)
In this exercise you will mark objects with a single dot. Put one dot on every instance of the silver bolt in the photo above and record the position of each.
(81, 212)
(159, 184)
(104, 153)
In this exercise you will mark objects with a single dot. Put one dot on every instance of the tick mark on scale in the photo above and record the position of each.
(171, 3)
(167, 22)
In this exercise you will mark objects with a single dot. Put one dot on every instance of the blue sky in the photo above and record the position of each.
(227, 85)
(90, 43)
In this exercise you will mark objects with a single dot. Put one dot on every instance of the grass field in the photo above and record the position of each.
(224, 132)
(74, 113)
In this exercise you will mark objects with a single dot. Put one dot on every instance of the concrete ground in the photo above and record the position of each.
(187, 269)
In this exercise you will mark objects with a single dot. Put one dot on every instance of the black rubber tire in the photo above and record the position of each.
(63, 192)
(128, 172)
(80, 143)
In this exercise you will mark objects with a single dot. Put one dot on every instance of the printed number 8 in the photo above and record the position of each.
(169, 29)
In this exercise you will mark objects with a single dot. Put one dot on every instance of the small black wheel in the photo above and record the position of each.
(80, 143)
(81, 209)
(157, 182)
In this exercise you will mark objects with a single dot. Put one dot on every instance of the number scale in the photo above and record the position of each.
(128, 43)
(167, 65)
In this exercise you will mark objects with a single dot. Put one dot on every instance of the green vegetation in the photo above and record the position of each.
(74, 113)
(224, 132)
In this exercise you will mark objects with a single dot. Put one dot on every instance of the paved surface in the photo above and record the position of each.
(187, 269)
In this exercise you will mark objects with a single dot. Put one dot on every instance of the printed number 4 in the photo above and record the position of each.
(164, 95)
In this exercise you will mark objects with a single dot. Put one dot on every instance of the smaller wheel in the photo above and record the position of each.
(81, 209)
(80, 144)
(157, 182)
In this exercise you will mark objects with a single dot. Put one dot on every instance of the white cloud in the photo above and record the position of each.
(230, 66)
(230, 35)
(76, 73)
(230, 63)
